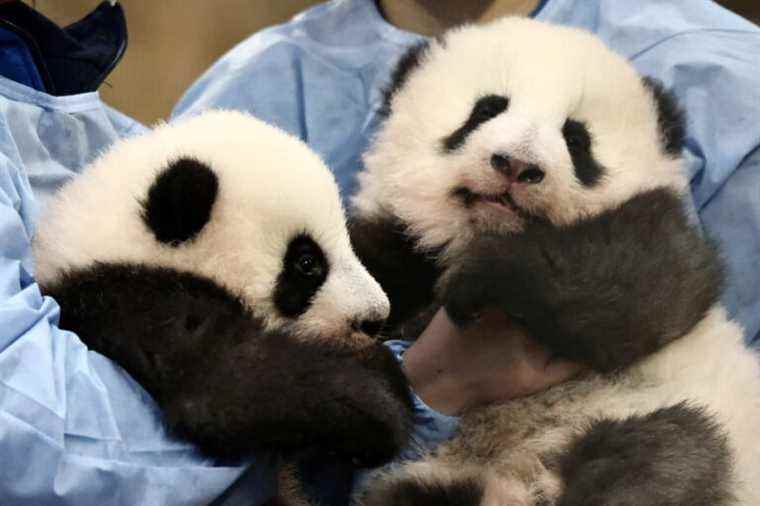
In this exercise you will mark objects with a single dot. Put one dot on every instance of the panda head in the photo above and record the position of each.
(490, 126)
(227, 197)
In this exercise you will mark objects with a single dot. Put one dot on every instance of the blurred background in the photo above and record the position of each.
(171, 42)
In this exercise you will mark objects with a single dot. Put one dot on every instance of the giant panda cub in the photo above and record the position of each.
(526, 167)
(210, 259)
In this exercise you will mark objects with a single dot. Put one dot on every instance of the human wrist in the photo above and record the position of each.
(433, 368)
(493, 360)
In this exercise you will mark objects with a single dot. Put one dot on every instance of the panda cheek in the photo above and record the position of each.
(350, 301)
(322, 318)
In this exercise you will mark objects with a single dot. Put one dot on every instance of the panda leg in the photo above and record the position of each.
(432, 482)
(640, 273)
(424, 483)
(676, 456)
(406, 274)
(290, 488)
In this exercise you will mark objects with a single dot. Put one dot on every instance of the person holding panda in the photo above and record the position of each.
(340, 124)
(344, 52)
(670, 41)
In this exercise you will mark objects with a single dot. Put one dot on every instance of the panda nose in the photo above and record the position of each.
(517, 171)
(371, 327)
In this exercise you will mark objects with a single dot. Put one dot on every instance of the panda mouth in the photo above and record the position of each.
(502, 201)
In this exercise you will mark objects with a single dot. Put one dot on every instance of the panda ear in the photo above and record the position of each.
(409, 61)
(179, 201)
(671, 117)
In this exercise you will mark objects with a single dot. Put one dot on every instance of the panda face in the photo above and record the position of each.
(229, 198)
(498, 124)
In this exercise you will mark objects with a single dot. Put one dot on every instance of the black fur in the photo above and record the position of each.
(325, 480)
(304, 270)
(410, 60)
(605, 291)
(464, 491)
(486, 108)
(179, 201)
(676, 456)
(671, 118)
(579, 145)
(406, 274)
(224, 383)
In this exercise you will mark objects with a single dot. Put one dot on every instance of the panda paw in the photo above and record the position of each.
(415, 490)
(464, 297)
(424, 483)
(484, 277)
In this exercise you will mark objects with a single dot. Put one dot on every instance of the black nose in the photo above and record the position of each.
(369, 327)
(501, 163)
(531, 175)
(517, 170)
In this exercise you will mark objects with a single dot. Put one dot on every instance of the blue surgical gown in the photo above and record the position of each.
(75, 429)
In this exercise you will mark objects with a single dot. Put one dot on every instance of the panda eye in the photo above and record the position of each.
(308, 265)
(488, 107)
(578, 140)
(576, 137)
(304, 271)
(574, 142)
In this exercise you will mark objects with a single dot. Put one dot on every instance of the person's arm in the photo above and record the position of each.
(76, 428)
(453, 369)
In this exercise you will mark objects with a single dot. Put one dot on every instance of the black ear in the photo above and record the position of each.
(671, 118)
(409, 61)
(179, 201)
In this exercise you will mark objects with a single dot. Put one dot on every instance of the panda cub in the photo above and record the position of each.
(210, 259)
(526, 167)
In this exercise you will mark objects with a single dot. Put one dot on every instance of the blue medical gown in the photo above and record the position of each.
(75, 429)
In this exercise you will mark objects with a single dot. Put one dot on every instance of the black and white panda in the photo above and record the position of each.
(210, 258)
(527, 167)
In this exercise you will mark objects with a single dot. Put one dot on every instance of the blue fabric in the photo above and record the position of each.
(17, 62)
(75, 429)
(70, 60)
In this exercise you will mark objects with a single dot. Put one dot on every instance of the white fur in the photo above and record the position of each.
(549, 73)
(709, 367)
(271, 187)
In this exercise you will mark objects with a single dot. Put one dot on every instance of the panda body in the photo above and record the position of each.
(526, 167)
(210, 259)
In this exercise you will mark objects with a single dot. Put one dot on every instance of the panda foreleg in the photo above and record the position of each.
(428, 482)
(676, 455)
(225, 383)
(639, 272)
(390, 254)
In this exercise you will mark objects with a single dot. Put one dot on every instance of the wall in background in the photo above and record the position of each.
(171, 42)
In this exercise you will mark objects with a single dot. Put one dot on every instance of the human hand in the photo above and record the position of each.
(492, 360)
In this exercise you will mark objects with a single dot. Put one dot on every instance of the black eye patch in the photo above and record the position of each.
(578, 141)
(304, 270)
(486, 108)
